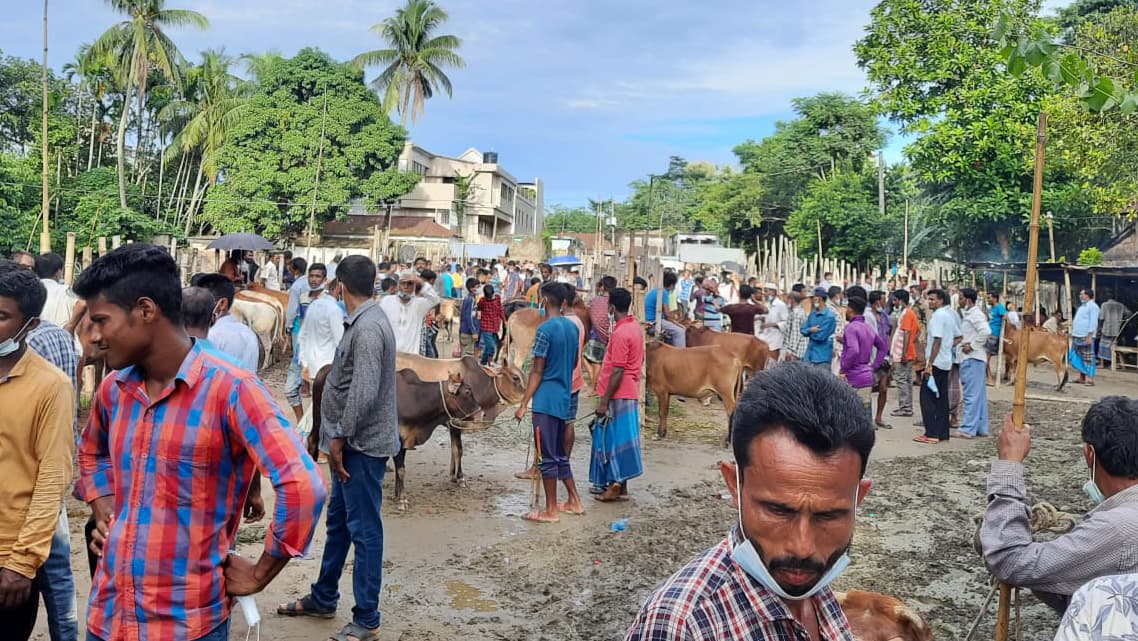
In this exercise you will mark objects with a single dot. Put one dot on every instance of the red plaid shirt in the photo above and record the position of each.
(490, 314)
(713, 599)
(179, 470)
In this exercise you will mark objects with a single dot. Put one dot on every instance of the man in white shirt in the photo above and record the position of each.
(60, 300)
(973, 366)
(772, 331)
(320, 333)
(270, 273)
(407, 310)
(943, 330)
(229, 335)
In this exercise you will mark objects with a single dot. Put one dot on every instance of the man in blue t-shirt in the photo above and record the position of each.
(550, 381)
(996, 314)
(674, 333)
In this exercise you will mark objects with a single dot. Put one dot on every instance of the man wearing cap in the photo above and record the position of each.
(819, 331)
(407, 310)
(772, 329)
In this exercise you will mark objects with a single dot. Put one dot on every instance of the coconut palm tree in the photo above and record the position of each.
(213, 102)
(414, 62)
(134, 46)
(258, 64)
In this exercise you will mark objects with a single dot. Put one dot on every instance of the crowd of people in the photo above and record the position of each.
(183, 430)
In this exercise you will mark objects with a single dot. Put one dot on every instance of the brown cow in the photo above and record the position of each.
(493, 391)
(750, 351)
(521, 329)
(1042, 345)
(281, 297)
(877, 617)
(692, 372)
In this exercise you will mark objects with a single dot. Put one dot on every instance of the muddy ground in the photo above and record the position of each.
(460, 564)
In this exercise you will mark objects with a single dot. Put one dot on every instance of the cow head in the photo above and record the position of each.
(459, 397)
(510, 382)
(878, 617)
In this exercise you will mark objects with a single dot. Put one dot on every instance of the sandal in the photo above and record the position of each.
(305, 607)
(883, 425)
(900, 414)
(925, 439)
(357, 632)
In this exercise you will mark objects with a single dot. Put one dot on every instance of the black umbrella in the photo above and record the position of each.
(251, 242)
(732, 266)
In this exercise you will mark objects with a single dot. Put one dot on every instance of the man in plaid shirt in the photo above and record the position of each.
(801, 443)
(166, 459)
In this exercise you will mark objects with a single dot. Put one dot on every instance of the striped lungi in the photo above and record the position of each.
(616, 444)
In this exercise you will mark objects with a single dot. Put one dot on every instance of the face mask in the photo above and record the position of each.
(1090, 487)
(9, 346)
(405, 295)
(318, 288)
(748, 558)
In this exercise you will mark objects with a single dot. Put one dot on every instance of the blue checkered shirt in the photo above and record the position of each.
(57, 347)
(713, 599)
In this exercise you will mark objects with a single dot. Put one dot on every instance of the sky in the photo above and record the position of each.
(588, 95)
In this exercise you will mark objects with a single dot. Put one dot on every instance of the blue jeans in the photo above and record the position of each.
(489, 344)
(57, 585)
(354, 519)
(974, 378)
(220, 633)
(292, 383)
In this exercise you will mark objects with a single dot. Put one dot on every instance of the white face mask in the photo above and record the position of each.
(9, 346)
(748, 557)
(1090, 487)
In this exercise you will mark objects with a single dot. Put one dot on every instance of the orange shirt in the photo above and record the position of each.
(910, 324)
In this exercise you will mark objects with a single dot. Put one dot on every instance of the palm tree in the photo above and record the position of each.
(414, 62)
(136, 44)
(214, 100)
(257, 64)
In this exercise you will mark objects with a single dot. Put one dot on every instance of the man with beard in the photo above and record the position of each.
(801, 444)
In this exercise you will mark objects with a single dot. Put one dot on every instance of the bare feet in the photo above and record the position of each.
(574, 508)
(539, 516)
(527, 475)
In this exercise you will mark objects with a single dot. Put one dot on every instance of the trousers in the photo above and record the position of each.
(974, 377)
(903, 377)
(934, 407)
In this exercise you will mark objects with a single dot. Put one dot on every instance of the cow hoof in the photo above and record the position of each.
(462, 482)
(403, 504)
(658, 437)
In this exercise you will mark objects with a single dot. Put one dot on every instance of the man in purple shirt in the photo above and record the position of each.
(858, 358)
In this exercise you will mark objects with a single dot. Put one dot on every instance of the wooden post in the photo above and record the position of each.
(1003, 614)
(102, 245)
(86, 257)
(1069, 296)
(819, 225)
(116, 241)
(69, 260)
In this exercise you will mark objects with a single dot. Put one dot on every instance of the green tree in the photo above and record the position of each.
(415, 60)
(845, 207)
(561, 219)
(267, 166)
(215, 100)
(1076, 13)
(137, 45)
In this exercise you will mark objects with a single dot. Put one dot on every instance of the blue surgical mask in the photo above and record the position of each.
(9, 346)
(1090, 487)
(748, 558)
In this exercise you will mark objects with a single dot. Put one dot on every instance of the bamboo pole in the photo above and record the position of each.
(116, 241)
(1003, 614)
(102, 245)
(86, 256)
(69, 260)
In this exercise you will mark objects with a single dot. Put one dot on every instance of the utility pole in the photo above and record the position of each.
(881, 182)
(905, 253)
(316, 186)
(45, 235)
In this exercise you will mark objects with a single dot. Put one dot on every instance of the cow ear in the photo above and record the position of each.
(452, 386)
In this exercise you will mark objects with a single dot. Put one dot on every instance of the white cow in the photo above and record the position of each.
(265, 318)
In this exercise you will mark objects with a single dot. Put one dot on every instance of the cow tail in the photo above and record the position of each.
(317, 397)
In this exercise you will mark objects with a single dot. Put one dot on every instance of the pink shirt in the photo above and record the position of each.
(578, 378)
(626, 350)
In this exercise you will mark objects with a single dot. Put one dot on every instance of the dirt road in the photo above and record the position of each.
(460, 564)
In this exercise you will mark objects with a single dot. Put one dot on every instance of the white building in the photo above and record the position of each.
(496, 205)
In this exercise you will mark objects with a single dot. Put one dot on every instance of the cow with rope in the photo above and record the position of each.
(1104, 542)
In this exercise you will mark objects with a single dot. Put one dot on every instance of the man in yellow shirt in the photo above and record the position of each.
(35, 427)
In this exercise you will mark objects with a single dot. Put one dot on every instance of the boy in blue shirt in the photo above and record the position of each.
(550, 381)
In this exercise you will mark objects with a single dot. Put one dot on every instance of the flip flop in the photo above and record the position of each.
(359, 632)
(534, 517)
(883, 425)
(602, 499)
(925, 439)
(304, 607)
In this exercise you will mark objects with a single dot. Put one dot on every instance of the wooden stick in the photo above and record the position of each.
(1003, 614)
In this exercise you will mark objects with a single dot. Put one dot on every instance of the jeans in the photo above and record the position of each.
(57, 585)
(674, 334)
(903, 377)
(220, 633)
(292, 383)
(934, 407)
(974, 377)
(489, 343)
(354, 519)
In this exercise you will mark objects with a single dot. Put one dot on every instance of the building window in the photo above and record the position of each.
(485, 227)
(444, 217)
(448, 180)
(418, 168)
(507, 193)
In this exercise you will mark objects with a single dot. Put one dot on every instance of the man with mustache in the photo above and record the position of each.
(801, 443)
